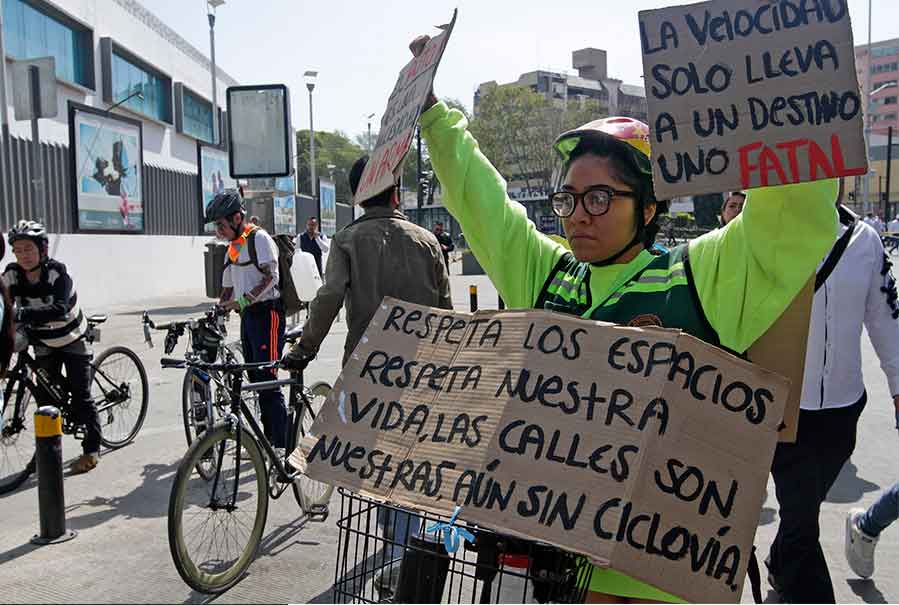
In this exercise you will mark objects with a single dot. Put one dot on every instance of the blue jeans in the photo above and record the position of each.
(882, 513)
(396, 526)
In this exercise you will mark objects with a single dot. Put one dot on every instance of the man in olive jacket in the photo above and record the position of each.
(380, 254)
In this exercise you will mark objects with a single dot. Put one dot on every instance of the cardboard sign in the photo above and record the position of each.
(645, 449)
(746, 93)
(401, 117)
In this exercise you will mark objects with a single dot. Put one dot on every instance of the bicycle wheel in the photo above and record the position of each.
(17, 443)
(120, 392)
(309, 493)
(213, 536)
(196, 412)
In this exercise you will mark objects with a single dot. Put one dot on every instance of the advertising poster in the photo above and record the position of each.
(285, 207)
(327, 207)
(212, 165)
(107, 183)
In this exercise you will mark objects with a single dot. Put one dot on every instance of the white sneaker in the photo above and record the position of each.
(859, 545)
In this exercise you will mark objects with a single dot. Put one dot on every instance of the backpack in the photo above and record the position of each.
(286, 248)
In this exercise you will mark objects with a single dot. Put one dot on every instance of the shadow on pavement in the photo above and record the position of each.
(866, 590)
(148, 500)
(849, 487)
(18, 551)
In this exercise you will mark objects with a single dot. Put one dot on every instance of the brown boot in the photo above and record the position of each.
(84, 464)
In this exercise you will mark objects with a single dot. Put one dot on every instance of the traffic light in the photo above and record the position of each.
(851, 196)
(423, 187)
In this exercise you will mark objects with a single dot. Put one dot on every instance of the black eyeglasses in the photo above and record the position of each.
(596, 200)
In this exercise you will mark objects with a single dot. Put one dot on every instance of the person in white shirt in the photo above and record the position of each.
(250, 287)
(854, 288)
(893, 225)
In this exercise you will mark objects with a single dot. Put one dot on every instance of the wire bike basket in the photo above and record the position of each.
(390, 555)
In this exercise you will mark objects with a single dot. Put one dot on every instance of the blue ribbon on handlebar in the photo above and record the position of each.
(451, 532)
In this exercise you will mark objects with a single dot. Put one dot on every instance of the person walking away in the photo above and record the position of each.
(380, 254)
(250, 288)
(445, 241)
(727, 287)
(732, 206)
(47, 306)
(863, 529)
(853, 289)
(315, 243)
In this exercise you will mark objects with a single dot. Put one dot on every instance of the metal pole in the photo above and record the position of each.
(866, 185)
(48, 464)
(4, 110)
(418, 172)
(369, 138)
(473, 297)
(312, 148)
(215, 105)
(886, 202)
(37, 164)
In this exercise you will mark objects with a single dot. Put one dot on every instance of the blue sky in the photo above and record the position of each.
(358, 47)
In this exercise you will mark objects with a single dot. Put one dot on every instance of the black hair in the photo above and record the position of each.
(382, 199)
(625, 169)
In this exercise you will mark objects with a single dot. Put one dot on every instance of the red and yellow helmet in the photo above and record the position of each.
(631, 135)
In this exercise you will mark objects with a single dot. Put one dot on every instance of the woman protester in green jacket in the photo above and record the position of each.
(726, 287)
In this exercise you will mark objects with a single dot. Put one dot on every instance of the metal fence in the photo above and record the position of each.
(171, 202)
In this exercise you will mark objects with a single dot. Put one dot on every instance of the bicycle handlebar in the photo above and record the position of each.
(231, 368)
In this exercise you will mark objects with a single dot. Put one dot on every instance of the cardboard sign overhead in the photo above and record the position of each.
(645, 449)
(401, 117)
(746, 93)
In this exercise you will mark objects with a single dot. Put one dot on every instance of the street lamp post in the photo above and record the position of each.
(310, 77)
(137, 93)
(211, 5)
(369, 116)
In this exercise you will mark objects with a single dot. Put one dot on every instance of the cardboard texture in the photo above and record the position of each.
(746, 93)
(401, 117)
(645, 449)
(782, 349)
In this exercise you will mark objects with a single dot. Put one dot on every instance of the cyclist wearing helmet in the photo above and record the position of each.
(726, 288)
(250, 287)
(47, 305)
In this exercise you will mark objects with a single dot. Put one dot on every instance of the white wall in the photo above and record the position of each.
(163, 146)
(118, 269)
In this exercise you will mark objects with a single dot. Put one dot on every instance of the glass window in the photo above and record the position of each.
(128, 79)
(197, 117)
(31, 33)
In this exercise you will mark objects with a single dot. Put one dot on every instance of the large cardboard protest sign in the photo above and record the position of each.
(401, 117)
(644, 449)
(749, 93)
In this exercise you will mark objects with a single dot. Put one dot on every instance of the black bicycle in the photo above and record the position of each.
(118, 387)
(204, 394)
(216, 519)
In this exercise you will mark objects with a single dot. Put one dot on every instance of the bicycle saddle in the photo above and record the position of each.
(97, 319)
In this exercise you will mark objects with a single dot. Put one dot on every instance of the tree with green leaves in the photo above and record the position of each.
(516, 127)
(335, 154)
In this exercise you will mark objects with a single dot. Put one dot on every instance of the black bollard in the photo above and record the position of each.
(502, 303)
(473, 295)
(48, 463)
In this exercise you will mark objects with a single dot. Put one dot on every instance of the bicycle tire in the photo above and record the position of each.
(10, 440)
(307, 492)
(191, 384)
(144, 399)
(189, 571)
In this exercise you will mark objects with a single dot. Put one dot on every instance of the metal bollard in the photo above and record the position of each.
(48, 461)
(473, 295)
(502, 303)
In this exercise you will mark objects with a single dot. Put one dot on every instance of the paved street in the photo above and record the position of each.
(119, 510)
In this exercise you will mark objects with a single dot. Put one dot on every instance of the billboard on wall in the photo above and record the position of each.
(284, 206)
(259, 131)
(212, 169)
(107, 170)
(327, 207)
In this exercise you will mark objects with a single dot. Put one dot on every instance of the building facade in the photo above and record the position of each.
(883, 64)
(114, 59)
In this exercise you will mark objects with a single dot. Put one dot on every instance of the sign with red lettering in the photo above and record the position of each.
(743, 94)
(644, 449)
(401, 117)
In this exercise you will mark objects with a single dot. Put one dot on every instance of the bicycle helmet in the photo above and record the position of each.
(628, 140)
(30, 230)
(224, 205)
